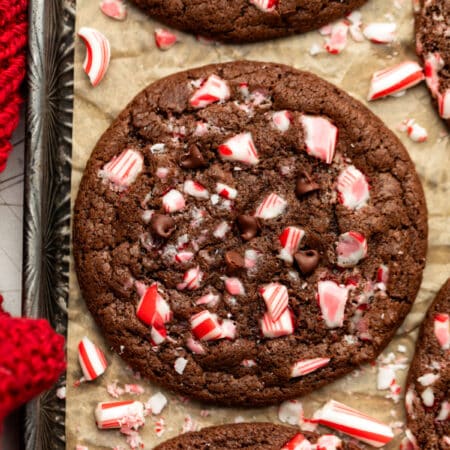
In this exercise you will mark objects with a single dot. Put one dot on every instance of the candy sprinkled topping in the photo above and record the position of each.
(442, 330)
(276, 297)
(152, 308)
(298, 442)
(320, 137)
(352, 188)
(239, 148)
(305, 366)
(123, 170)
(98, 54)
(338, 38)
(173, 201)
(226, 191)
(380, 33)
(191, 279)
(205, 326)
(195, 189)
(282, 120)
(115, 9)
(265, 5)
(276, 328)
(272, 206)
(110, 415)
(290, 239)
(213, 90)
(234, 286)
(351, 248)
(92, 360)
(164, 39)
(332, 301)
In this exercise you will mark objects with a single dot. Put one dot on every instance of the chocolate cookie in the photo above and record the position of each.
(245, 233)
(428, 387)
(433, 46)
(257, 436)
(247, 20)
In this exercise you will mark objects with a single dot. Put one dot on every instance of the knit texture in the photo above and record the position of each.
(13, 39)
(31, 359)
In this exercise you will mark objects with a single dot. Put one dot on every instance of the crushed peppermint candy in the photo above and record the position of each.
(276, 298)
(180, 364)
(381, 32)
(351, 248)
(164, 38)
(320, 137)
(156, 403)
(240, 148)
(332, 301)
(271, 207)
(123, 170)
(213, 90)
(353, 188)
(173, 201)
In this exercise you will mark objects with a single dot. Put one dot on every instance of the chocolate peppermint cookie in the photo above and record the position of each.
(247, 20)
(433, 46)
(245, 233)
(257, 436)
(428, 387)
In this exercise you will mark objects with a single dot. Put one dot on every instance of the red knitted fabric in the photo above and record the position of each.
(31, 359)
(13, 39)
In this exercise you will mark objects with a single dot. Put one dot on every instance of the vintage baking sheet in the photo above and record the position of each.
(135, 63)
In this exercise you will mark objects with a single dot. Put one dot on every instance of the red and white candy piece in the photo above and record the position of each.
(442, 330)
(152, 308)
(265, 5)
(234, 286)
(208, 299)
(415, 132)
(305, 366)
(290, 239)
(320, 137)
(272, 206)
(195, 189)
(226, 191)
(433, 64)
(229, 330)
(183, 257)
(381, 32)
(354, 423)
(165, 39)
(214, 89)
(173, 201)
(109, 415)
(123, 169)
(395, 79)
(352, 187)
(428, 397)
(92, 360)
(338, 38)
(191, 279)
(282, 120)
(444, 104)
(221, 230)
(239, 148)
(298, 442)
(114, 9)
(98, 54)
(281, 327)
(332, 301)
(383, 276)
(351, 248)
(195, 346)
(444, 411)
(276, 298)
(205, 326)
(329, 442)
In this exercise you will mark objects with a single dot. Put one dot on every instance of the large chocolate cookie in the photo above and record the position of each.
(256, 436)
(247, 20)
(433, 46)
(428, 386)
(246, 232)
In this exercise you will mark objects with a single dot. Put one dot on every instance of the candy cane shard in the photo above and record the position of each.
(281, 327)
(165, 39)
(320, 137)
(338, 38)
(282, 120)
(109, 415)
(234, 286)
(226, 191)
(290, 239)
(329, 442)
(353, 189)
(276, 297)
(191, 279)
(332, 300)
(123, 170)
(195, 189)
(152, 308)
(213, 90)
(272, 206)
(444, 104)
(115, 9)
(380, 33)
(433, 64)
(351, 248)
(305, 366)
(173, 201)
(92, 360)
(442, 330)
(395, 79)
(354, 423)
(265, 5)
(205, 326)
(298, 442)
(239, 148)
(98, 54)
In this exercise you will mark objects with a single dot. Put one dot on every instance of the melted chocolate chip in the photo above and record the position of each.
(248, 226)
(307, 261)
(234, 260)
(162, 225)
(193, 159)
(304, 185)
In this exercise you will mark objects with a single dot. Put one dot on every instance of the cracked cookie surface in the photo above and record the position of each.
(247, 20)
(245, 233)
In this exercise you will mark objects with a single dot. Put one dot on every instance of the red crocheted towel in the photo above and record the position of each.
(13, 39)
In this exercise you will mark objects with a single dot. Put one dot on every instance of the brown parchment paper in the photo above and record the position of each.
(135, 63)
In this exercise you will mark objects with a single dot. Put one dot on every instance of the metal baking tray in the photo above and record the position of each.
(47, 196)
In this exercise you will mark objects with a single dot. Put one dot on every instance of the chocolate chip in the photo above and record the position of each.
(162, 225)
(193, 159)
(304, 185)
(234, 260)
(307, 261)
(248, 226)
